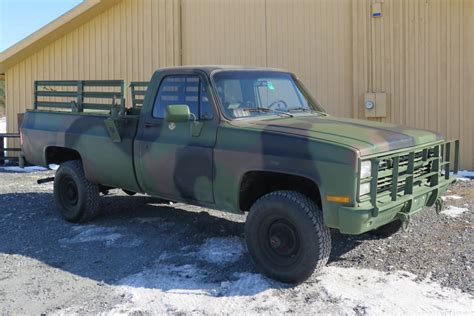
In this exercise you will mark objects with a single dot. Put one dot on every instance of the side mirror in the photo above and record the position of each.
(177, 113)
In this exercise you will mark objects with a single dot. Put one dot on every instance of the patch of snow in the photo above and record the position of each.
(3, 124)
(451, 197)
(247, 284)
(222, 250)
(107, 235)
(399, 292)
(23, 170)
(156, 221)
(463, 175)
(90, 233)
(184, 289)
(3, 128)
(129, 243)
(185, 279)
(29, 168)
(53, 166)
(454, 197)
(147, 220)
(466, 174)
(454, 211)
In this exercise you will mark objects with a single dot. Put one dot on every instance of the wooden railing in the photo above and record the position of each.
(76, 96)
(79, 95)
(138, 90)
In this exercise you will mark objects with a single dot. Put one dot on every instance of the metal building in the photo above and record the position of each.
(413, 58)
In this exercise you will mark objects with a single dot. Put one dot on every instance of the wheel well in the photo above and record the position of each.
(258, 183)
(58, 155)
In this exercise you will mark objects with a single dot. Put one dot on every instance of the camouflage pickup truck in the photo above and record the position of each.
(242, 140)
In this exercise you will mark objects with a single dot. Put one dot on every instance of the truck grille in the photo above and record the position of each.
(422, 166)
(398, 174)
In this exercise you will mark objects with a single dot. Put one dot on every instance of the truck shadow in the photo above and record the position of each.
(140, 244)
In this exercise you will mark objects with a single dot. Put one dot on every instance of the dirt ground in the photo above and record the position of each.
(140, 257)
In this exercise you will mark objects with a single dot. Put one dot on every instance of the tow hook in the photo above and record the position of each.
(405, 219)
(439, 206)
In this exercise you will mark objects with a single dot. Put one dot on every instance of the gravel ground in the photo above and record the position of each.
(146, 258)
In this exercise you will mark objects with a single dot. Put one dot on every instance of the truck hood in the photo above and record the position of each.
(367, 137)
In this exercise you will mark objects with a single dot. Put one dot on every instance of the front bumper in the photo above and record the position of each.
(408, 190)
(358, 220)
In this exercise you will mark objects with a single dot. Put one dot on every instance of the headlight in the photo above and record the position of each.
(365, 169)
(364, 189)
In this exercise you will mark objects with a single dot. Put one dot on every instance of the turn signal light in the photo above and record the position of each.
(338, 198)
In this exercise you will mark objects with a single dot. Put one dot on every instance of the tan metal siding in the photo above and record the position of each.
(128, 41)
(310, 38)
(420, 54)
(467, 86)
(313, 40)
(224, 32)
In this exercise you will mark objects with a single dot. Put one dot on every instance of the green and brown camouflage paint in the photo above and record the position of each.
(205, 162)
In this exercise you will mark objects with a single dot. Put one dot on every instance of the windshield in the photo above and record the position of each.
(257, 93)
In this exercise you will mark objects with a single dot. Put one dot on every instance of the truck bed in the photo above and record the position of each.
(87, 134)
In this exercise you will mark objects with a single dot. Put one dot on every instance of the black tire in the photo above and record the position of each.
(387, 230)
(77, 199)
(286, 236)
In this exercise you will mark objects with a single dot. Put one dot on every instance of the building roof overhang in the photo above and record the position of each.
(52, 31)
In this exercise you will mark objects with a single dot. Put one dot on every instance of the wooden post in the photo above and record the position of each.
(80, 96)
(20, 120)
(2, 152)
(35, 95)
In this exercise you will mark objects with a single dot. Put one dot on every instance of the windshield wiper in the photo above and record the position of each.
(300, 109)
(304, 109)
(266, 110)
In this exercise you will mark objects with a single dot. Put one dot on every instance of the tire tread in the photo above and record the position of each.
(92, 205)
(313, 212)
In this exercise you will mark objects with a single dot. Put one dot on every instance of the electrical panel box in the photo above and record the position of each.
(369, 105)
(375, 104)
(381, 104)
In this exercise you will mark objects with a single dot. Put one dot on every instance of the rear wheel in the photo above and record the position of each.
(77, 199)
(286, 236)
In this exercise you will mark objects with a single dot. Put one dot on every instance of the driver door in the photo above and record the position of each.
(175, 160)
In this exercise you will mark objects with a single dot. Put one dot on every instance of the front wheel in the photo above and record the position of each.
(77, 199)
(286, 236)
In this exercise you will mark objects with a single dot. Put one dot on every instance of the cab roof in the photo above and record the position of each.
(212, 68)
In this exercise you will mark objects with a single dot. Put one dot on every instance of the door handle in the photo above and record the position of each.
(151, 124)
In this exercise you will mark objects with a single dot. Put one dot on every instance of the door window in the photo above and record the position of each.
(189, 90)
